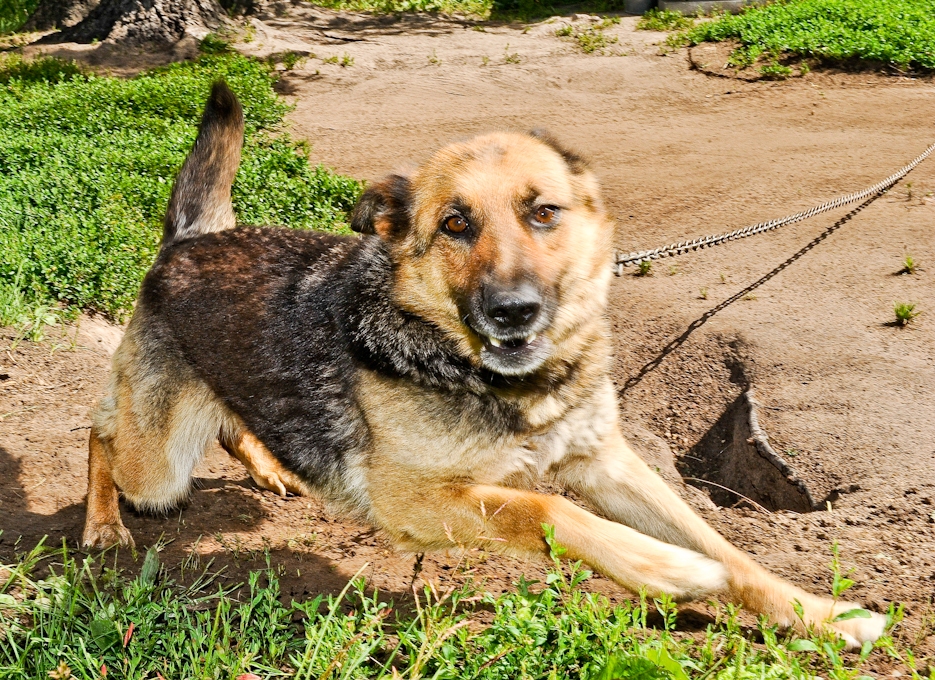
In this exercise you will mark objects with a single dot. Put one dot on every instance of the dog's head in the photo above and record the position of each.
(502, 242)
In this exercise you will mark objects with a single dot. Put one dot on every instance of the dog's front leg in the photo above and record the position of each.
(511, 521)
(623, 488)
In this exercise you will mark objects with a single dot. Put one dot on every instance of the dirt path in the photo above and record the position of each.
(848, 400)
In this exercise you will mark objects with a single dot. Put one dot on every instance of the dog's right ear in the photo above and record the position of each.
(383, 209)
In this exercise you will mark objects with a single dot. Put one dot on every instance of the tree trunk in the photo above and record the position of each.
(59, 14)
(131, 22)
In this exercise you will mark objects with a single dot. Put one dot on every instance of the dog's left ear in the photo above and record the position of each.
(383, 209)
(576, 163)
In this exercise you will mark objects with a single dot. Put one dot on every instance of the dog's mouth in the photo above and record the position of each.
(511, 346)
(514, 355)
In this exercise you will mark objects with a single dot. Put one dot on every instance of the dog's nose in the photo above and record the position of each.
(512, 307)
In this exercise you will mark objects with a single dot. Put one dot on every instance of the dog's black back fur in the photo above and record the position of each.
(279, 322)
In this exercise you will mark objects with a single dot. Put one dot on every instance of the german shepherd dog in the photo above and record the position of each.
(424, 376)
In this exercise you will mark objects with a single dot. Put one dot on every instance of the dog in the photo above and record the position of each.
(423, 376)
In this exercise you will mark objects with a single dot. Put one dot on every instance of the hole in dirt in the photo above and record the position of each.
(734, 464)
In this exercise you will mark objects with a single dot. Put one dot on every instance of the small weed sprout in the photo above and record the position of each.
(644, 268)
(31, 325)
(905, 312)
(479, 28)
(484, 60)
(347, 60)
(565, 31)
(668, 609)
(292, 59)
(839, 582)
(508, 57)
(433, 59)
(703, 293)
(910, 266)
(909, 191)
(333, 59)
(673, 269)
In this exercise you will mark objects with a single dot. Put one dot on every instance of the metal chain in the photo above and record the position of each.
(625, 259)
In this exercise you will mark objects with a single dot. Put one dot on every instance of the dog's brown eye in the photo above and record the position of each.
(546, 214)
(456, 224)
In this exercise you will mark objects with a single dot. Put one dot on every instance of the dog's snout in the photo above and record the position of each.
(512, 307)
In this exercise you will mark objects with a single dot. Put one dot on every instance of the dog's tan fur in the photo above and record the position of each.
(434, 471)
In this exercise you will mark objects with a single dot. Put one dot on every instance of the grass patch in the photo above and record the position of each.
(775, 71)
(663, 20)
(13, 14)
(87, 163)
(507, 10)
(73, 616)
(592, 38)
(894, 32)
(476, 8)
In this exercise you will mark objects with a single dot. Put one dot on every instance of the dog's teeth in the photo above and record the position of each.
(494, 342)
(532, 337)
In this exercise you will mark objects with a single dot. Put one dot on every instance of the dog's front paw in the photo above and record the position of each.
(269, 481)
(859, 629)
(102, 536)
(278, 480)
(855, 630)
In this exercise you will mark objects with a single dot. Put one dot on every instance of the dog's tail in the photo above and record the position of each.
(201, 197)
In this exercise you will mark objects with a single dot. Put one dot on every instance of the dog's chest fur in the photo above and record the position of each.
(296, 333)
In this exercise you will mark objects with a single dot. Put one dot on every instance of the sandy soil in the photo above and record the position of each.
(848, 399)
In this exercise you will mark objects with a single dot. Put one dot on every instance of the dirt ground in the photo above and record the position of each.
(848, 399)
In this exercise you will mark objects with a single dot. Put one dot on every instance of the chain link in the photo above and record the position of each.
(626, 259)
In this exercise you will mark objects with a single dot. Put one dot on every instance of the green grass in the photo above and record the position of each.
(72, 616)
(663, 20)
(87, 163)
(895, 32)
(905, 312)
(522, 10)
(592, 38)
(477, 8)
(13, 14)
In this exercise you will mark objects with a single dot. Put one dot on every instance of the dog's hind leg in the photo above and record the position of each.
(262, 465)
(622, 487)
(103, 526)
(419, 517)
(149, 432)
